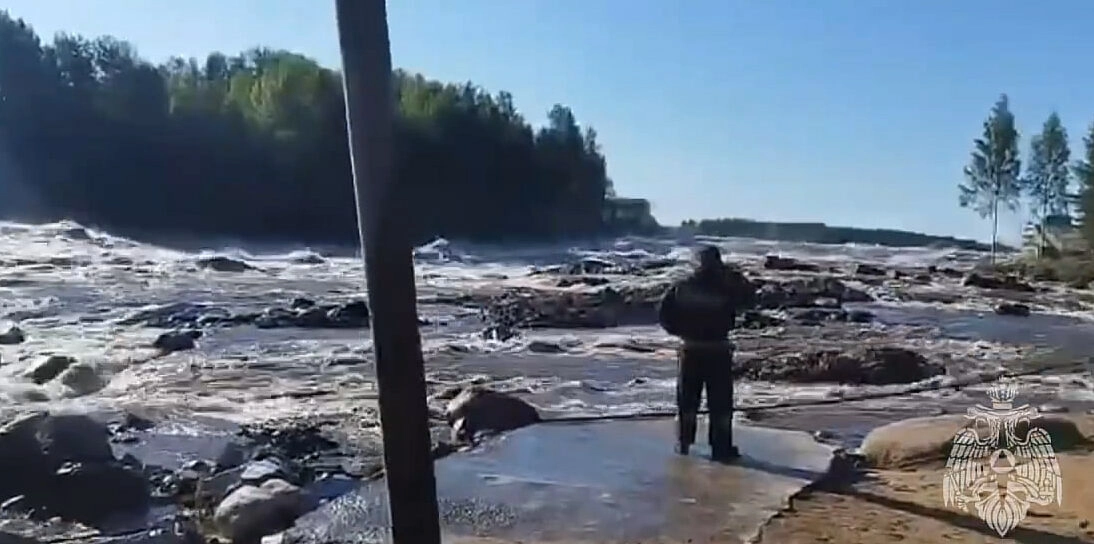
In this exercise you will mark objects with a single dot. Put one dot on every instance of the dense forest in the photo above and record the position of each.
(254, 146)
(820, 233)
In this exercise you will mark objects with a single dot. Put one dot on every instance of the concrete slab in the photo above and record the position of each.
(594, 482)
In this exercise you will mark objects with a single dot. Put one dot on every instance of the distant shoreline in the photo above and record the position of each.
(821, 233)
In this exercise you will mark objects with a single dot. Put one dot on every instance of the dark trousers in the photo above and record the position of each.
(710, 368)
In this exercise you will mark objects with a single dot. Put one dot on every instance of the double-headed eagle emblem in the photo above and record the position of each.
(997, 474)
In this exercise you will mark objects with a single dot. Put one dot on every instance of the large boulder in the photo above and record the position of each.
(865, 366)
(62, 465)
(252, 512)
(479, 410)
(928, 440)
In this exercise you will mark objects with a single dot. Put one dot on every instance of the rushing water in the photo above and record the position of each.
(70, 287)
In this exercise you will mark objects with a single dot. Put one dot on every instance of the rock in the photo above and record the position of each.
(233, 454)
(807, 292)
(131, 422)
(252, 512)
(865, 366)
(89, 492)
(863, 269)
(928, 440)
(447, 393)
(48, 368)
(13, 335)
(170, 342)
(308, 258)
(481, 410)
(259, 471)
(64, 466)
(301, 303)
(82, 379)
(775, 262)
(945, 271)
(1009, 283)
(224, 264)
(537, 308)
(1011, 308)
(218, 485)
(542, 346)
(753, 319)
(592, 281)
(816, 316)
(15, 538)
(353, 314)
(860, 316)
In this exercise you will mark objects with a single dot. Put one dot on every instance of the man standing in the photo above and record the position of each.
(701, 309)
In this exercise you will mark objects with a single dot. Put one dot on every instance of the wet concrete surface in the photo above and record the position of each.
(594, 482)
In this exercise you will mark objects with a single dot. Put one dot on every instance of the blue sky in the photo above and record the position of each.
(851, 112)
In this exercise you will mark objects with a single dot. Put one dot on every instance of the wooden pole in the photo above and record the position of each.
(389, 268)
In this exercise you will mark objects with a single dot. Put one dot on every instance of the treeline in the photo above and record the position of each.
(1053, 186)
(254, 146)
(820, 233)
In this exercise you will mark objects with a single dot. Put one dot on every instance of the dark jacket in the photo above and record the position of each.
(703, 307)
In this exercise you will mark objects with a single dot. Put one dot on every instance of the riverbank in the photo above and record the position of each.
(906, 505)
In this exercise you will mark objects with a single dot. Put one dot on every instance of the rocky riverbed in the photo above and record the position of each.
(217, 389)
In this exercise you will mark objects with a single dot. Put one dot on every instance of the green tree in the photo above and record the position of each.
(992, 175)
(1084, 174)
(1047, 175)
(254, 146)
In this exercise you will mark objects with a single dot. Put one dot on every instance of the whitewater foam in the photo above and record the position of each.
(72, 288)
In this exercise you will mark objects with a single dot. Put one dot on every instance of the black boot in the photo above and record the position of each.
(721, 439)
(686, 426)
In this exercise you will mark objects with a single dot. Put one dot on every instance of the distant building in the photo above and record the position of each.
(1061, 236)
(629, 214)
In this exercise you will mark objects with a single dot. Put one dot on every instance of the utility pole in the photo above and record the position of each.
(382, 211)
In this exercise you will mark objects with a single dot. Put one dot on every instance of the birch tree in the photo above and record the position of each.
(992, 175)
(1047, 175)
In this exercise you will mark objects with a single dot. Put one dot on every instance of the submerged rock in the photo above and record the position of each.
(863, 269)
(48, 368)
(479, 410)
(1015, 309)
(1008, 283)
(867, 366)
(170, 342)
(13, 335)
(753, 319)
(776, 262)
(220, 263)
(82, 379)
